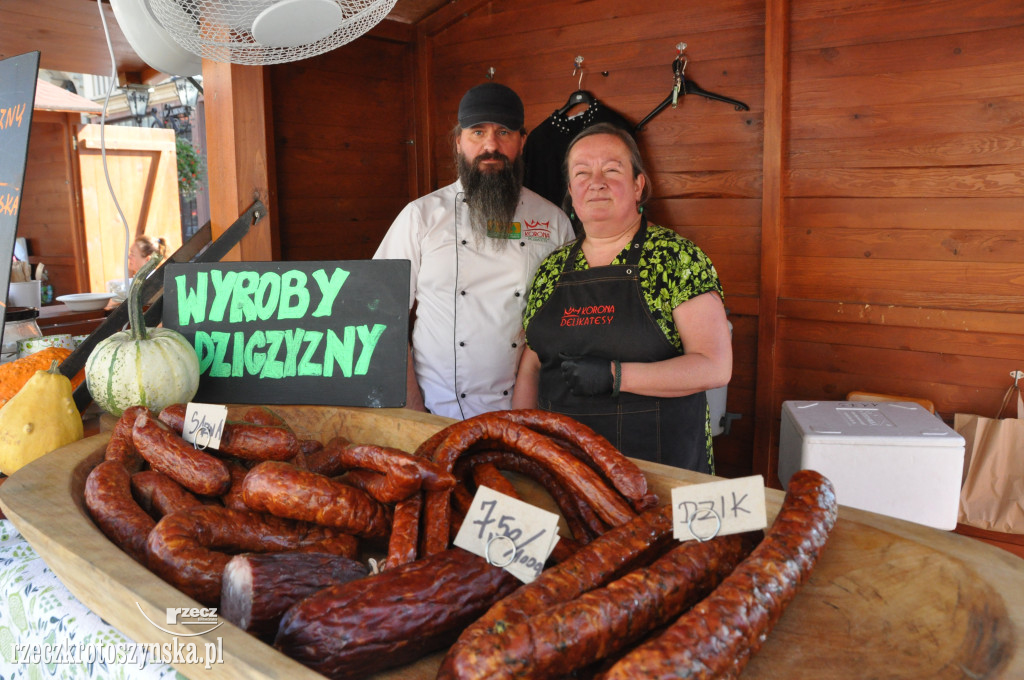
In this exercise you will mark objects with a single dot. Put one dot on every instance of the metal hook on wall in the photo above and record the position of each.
(490, 73)
(578, 61)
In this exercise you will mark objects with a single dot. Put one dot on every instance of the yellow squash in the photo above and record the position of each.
(41, 417)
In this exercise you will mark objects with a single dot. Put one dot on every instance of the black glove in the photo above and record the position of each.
(587, 376)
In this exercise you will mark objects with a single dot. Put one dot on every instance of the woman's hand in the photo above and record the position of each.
(588, 376)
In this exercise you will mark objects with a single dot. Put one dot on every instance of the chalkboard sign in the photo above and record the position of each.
(17, 96)
(333, 333)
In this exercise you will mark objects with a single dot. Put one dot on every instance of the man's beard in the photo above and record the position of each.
(492, 197)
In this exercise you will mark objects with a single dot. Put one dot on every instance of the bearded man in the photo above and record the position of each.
(474, 246)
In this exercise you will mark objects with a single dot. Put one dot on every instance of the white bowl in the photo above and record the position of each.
(84, 302)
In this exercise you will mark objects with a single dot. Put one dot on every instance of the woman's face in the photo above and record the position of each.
(601, 182)
(135, 259)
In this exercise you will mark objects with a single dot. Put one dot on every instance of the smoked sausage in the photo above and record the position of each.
(189, 549)
(570, 636)
(108, 497)
(391, 618)
(259, 587)
(405, 532)
(595, 564)
(608, 504)
(286, 491)
(168, 453)
(619, 470)
(718, 636)
(120, 448)
(266, 437)
(160, 495)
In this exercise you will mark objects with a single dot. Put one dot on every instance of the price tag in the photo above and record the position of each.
(731, 506)
(509, 533)
(204, 424)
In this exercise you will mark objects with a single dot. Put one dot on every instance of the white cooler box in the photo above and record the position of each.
(893, 458)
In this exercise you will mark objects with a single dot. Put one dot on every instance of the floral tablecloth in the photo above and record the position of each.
(45, 632)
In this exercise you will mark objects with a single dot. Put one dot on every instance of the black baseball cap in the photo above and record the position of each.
(491, 103)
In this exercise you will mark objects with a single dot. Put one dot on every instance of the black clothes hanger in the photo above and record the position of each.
(683, 86)
(577, 97)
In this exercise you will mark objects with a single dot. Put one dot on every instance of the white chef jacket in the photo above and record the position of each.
(468, 333)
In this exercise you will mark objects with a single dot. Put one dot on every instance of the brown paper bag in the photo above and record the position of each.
(992, 496)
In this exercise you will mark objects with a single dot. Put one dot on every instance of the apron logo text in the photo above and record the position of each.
(594, 315)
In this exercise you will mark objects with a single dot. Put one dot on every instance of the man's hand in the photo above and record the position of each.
(588, 376)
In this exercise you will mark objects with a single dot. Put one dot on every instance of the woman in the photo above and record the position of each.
(625, 327)
(141, 249)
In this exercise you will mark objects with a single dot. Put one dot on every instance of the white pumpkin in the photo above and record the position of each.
(151, 367)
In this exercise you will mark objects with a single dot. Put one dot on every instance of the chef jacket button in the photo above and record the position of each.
(522, 244)
(517, 293)
(463, 241)
(462, 396)
(463, 292)
(515, 344)
(505, 393)
(462, 344)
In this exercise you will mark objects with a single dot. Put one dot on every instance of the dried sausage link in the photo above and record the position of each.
(121, 448)
(572, 635)
(286, 491)
(718, 636)
(159, 495)
(387, 460)
(609, 505)
(391, 618)
(108, 497)
(609, 555)
(189, 549)
(405, 532)
(168, 453)
(615, 467)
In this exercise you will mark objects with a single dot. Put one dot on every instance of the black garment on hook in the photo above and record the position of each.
(547, 143)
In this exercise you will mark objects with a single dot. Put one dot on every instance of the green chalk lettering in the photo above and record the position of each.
(242, 306)
(254, 360)
(340, 351)
(307, 366)
(223, 284)
(204, 350)
(328, 289)
(293, 286)
(191, 302)
(267, 295)
(369, 339)
(292, 345)
(237, 351)
(274, 367)
(220, 369)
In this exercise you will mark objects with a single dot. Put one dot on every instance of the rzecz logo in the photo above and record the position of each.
(203, 617)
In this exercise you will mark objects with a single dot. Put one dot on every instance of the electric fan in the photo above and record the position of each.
(250, 32)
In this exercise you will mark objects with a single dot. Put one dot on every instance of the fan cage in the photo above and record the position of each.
(220, 30)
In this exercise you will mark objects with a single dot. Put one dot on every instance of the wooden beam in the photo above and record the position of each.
(423, 166)
(240, 162)
(776, 74)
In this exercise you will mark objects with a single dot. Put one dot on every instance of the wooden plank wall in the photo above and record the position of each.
(343, 127)
(704, 156)
(902, 259)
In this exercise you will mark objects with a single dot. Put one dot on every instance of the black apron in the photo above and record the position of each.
(601, 312)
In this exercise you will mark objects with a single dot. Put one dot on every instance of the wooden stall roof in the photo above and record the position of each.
(49, 97)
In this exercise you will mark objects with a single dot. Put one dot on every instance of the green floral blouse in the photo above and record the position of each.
(672, 270)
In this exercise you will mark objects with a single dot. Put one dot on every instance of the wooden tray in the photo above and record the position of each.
(888, 599)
